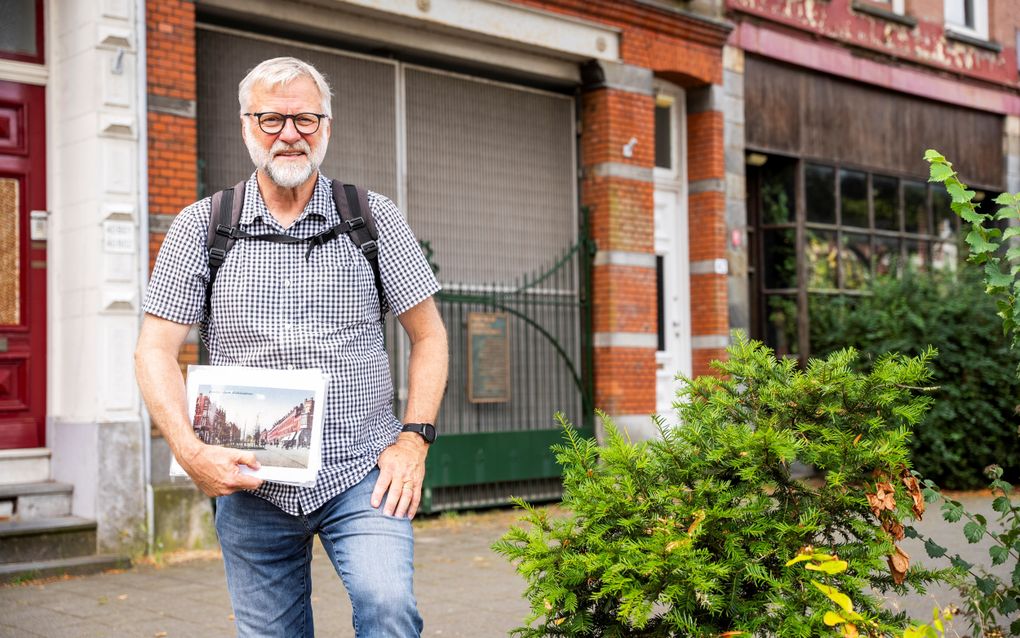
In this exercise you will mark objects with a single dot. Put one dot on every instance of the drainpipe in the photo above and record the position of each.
(143, 250)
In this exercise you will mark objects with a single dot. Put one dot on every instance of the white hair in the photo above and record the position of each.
(282, 71)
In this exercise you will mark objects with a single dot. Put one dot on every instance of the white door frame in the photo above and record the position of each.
(671, 243)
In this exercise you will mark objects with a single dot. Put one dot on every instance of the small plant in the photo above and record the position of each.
(689, 535)
(844, 619)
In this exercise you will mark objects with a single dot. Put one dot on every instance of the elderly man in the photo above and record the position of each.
(278, 305)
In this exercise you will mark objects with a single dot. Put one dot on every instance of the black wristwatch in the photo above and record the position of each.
(426, 430)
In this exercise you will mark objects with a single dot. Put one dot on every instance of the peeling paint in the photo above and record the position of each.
(925, 43)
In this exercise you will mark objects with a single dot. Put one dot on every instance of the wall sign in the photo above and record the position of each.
(488, 357)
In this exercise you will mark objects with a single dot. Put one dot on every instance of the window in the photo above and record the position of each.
(664, 134)
(21, 30)
(820, 232)
(969, 17)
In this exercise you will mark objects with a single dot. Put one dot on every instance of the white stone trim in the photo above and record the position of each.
(625, 340)
(710, 267)
(710, 342)
(623, 171)
(24, 72)
(507, 21)
(624, 258)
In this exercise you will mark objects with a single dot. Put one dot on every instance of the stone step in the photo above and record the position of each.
(81, 565)
(44, 539)
(29, 465)
(23, 501)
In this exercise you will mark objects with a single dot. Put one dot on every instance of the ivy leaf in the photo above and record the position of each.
(979, 244)
(1001, 504)
(952, 511)
(1009, 605)
(958, 193)
(986, 586)
(910, 532)
(931, 155)
(999, 554)
(930, 495)
(969, 214)
(940, 172)
(1013, 252)
(959, 563)
(1008, 212)
(995, 277)
(1005, 199)
(973, 531)
(934, 549)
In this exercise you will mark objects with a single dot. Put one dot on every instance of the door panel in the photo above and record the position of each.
(22, 267)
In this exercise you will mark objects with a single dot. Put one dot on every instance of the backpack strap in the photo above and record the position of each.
(352, 204)
(223, 219)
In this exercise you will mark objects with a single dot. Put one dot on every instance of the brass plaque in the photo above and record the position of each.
(488, 357)
(10, 253)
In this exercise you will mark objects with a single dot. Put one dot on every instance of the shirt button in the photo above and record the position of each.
(290, 367)
(286, 282)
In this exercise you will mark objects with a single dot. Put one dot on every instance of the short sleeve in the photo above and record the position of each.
(406, 275)
(176, 289)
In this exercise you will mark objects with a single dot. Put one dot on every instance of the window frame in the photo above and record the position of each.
(40, 57)
(979, 28)
(761, 307)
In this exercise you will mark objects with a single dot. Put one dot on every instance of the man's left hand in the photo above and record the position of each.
(401, 472)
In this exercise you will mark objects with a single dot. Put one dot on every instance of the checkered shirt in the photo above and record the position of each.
(272, 308)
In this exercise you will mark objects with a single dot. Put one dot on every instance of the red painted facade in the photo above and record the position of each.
(925, 44)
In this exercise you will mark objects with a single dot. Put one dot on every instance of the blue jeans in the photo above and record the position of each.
(268, 552)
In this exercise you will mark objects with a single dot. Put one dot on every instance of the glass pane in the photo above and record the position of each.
(821, 258)
(826, 313)
(918, 255)
(778, 204)
(887, 255)
(779, 248)
(820, 193)
(781, 324)
(945, 218)
(915, 209)
(855, 260)
(17, 28)
(10, 254)
(663, 137)
(887, 210)
(853, 198)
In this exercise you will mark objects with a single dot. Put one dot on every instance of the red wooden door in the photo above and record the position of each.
(22, 267)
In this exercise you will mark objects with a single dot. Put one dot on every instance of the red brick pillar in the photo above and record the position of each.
(173, 139)
(618, 156)
(706, 178)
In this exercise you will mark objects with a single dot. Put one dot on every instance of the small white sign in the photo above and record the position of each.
(118, 236)
(39, 228)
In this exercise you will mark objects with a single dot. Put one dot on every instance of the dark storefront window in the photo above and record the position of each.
(820, 232)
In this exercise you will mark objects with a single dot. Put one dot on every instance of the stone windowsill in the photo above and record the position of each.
(884, 14)
(963, 38)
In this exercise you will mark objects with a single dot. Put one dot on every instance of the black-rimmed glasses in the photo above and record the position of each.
(272, 123)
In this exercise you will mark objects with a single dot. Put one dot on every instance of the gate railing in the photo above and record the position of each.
(488, 452)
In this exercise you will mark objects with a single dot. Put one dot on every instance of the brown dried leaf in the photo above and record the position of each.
(914, 489)
(893, 527)
(899, 562)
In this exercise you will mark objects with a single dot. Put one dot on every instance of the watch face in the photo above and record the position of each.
(428, 431)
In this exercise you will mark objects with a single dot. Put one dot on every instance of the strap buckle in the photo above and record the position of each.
(226, 231)
(356, 223)
(370, 249)
(216, 257)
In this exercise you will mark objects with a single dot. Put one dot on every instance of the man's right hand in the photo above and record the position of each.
(216, 470)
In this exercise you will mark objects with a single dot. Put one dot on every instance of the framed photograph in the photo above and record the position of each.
(277, 414)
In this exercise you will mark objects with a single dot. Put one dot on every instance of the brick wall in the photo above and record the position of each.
(173, 138)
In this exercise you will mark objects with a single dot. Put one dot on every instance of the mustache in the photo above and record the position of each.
(282, 147)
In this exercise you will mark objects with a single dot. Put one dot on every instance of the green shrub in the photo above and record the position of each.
(972, 423)
(689, 535)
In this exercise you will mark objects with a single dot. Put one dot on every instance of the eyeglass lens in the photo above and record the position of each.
(272, 123)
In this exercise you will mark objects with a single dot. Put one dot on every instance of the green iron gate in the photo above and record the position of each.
(488, 452)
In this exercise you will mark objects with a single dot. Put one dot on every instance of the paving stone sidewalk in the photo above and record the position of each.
(463, 588)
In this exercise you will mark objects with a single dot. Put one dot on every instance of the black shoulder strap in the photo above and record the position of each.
(352, 203)
(223, 218)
